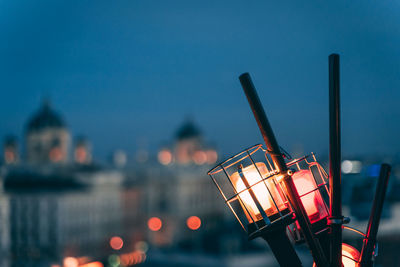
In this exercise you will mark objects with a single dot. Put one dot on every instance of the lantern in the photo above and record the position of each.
(310, 180)
(351, 256)
(249, 185)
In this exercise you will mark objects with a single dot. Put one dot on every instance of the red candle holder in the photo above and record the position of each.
(311, 182)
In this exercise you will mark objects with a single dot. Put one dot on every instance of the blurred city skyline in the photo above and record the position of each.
(127, 74)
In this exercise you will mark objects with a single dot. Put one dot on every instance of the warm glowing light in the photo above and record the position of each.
(92, 264)
(9, 156)
(193, 222)
(350, 256)
(80, 154)
(71, 262)
(56, 154)
(200, 157)
(260, 191)
(212, 156)
(312, 200)
(154, 224)
(116, 242)
(165, 157)
(135, 257)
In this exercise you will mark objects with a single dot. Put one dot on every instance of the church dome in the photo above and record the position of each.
(188, 130)
(45, 118)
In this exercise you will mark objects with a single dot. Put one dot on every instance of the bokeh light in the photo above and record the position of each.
(116, 242)
(154, 224)
(193, 222)
(71, 262)
(165, 157)
(142, 246)
(114, 260)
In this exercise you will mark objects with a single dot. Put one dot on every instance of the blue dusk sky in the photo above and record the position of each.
(127, 73)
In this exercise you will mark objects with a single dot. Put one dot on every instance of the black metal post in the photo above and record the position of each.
(282, 248)
(280, 164)
(336, 219)
(374, 218)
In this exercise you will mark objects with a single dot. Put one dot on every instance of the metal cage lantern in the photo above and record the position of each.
(351, 250)
(311, 182)
(250, 187)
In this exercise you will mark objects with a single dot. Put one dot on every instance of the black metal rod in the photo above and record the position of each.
(279, 162)
(335, 200)
(374, 218)
(282, 248)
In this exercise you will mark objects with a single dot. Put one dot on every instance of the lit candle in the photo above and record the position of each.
(350, 256)
(312, 200)
(257, 188)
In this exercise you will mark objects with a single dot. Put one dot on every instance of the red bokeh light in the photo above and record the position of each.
(116, 242)
(193, 222)
(154, 224)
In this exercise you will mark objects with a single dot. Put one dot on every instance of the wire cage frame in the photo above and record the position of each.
(351, 252)
(249, 184)
(311, 181)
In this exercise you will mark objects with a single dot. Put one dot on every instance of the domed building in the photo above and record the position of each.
(189, 147)
(47, 137)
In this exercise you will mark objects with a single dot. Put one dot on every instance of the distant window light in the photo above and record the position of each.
(165, 157)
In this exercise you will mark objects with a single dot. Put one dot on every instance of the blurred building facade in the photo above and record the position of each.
(47, 137)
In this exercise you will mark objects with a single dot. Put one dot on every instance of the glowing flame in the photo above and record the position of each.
(350, 256)
(312, 200)
(260, 191)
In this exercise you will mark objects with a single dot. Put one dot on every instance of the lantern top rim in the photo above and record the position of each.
(248, 151)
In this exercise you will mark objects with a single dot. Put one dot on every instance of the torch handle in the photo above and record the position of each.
(279, 162)
(374, 218)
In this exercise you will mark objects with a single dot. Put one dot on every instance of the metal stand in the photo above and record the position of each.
(280, 165)
(374, 218)
(336, 219)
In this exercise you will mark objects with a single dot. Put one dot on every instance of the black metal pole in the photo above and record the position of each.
(374, 218)
(336, 218)
(279, 162)
(282, 248)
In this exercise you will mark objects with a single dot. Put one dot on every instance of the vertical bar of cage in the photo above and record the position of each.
(324, 176)
(279, 162)
(227, 202)
(374, 219)
(336, 218)
(238, 196)
(316, 183)
(250, 190)
(269, 163)
(265, 184)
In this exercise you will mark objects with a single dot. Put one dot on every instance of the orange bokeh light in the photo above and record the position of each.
(116, 242)
(193, 222)
(92, 264)
(200, 157)
(71, 262)
(154, 224)
(165, 157)
(56, 154)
